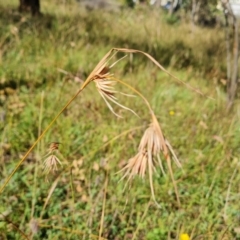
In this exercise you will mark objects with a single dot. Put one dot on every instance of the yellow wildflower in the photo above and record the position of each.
(171, 112)
(184, 236)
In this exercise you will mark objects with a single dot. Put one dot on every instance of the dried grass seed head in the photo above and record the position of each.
(150, 148)
(50, 164)
(151, 140)
(105, 85)
(51, 161)
(136, 165)
(54, 146)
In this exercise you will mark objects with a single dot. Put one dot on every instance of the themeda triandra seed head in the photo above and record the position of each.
(105, 83)
(151, 146)
(51, 162)
(136, 165)
(53, 146)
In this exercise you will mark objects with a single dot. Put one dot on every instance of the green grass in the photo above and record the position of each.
(204, 136)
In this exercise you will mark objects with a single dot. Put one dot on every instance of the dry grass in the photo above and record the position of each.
(51, 161)
(151, 144)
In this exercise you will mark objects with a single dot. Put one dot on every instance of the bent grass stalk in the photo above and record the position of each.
(97, 73)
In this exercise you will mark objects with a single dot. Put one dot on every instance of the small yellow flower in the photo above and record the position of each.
(171, 112)
(184, 236)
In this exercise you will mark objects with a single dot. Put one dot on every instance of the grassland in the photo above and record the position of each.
(96, 144)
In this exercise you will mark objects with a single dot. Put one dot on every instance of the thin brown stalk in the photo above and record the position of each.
(174, 182)
(50, 192)
(125, 50)
(134, 90)
(103, 207)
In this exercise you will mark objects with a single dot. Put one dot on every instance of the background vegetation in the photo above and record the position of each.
(33, 89)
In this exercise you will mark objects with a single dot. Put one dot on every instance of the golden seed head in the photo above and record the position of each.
(151, 146)
(51, 160)
(50, 164)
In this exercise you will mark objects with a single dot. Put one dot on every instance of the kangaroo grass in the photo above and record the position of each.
(150, 147)
(151, 144)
